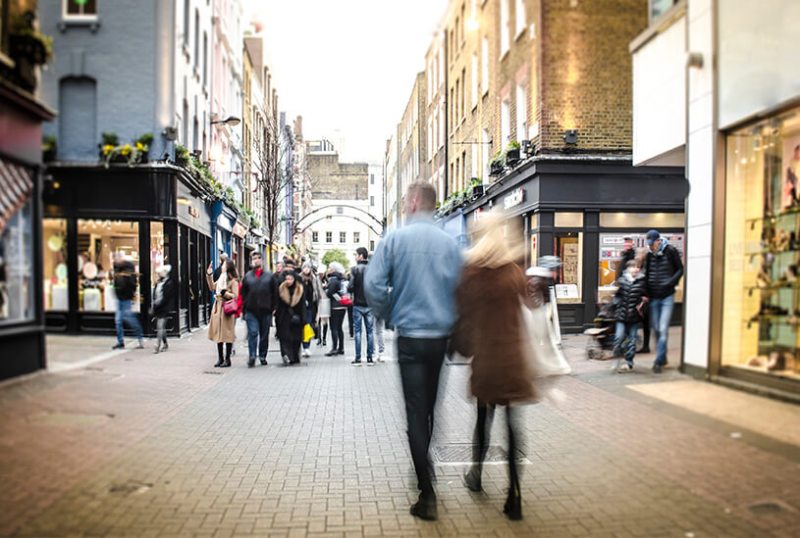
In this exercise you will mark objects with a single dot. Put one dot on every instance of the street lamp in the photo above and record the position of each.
(233, 121)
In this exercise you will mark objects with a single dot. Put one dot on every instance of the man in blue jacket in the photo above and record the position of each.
(663, 270)
(411, 283)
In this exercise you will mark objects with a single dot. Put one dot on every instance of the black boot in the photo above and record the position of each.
(425, 508)
(228, 350)
(220, 361)
(513, 506)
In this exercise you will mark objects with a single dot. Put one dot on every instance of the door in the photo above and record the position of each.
(185, 278)
(194, 280)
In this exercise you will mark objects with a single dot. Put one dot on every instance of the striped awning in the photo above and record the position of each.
(16, 185)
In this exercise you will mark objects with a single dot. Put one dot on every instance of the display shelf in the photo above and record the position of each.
(776, 287)
(779, 319)
(790, 212)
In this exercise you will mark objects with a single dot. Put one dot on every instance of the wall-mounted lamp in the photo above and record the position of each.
(571, 136)
(694, 59)
(233, 121)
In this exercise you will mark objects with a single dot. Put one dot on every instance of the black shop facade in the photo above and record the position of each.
(581, 209)
(155, 214)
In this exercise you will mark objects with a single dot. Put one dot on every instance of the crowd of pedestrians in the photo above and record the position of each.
(440, 301)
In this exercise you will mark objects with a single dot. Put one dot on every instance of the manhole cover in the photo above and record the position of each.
(130, 488)
(766, 508)
(461, 454)
(70, 419)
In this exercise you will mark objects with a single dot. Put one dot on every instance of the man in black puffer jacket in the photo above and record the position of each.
(629, 302)
(258, 293)
(663, 270)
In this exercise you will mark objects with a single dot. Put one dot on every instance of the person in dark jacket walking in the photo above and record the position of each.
(629, 253)
(630, 303)
(163, 305)
(311, 295)
(125, 289)
(290, 317)
(258, 301)
(663, 270)
(338, 310)
(361, 309)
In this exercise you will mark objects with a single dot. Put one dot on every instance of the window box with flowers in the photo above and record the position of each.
(497, 164)
(512, 153)
(133, 153)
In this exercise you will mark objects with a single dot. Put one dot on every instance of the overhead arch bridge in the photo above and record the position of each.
(328, 212)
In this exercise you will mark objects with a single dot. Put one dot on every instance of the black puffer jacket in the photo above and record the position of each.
(334, 289)
(629, 296)
(124, 280)
(663, 271)
(259, 293)
(627, 255)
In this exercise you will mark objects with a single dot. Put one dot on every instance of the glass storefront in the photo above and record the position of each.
(54, 261)
(569, 247)
(99, 241)
(16, 267)
(761, 311)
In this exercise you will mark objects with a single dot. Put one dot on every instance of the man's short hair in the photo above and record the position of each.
(628, 238)
(363, 252)
(426, 194)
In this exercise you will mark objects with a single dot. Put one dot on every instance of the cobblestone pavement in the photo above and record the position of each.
(167, 445)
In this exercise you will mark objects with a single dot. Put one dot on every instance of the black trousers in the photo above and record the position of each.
(291, 349)
(420, 361)
(482, 435)
(337, 332)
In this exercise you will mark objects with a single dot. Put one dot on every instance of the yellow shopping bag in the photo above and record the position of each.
(308, 333)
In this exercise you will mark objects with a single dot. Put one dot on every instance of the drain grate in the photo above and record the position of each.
(461, 454)
(212, 372)
(131, 487)
(766, 508)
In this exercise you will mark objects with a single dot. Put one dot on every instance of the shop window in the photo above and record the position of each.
(99, 241)
(54, 264)
(644, 221)
(16, 267)
(569, 247)
(611, 248)
(761, 301)
(534, 221)
(568, 220)
(159, 248)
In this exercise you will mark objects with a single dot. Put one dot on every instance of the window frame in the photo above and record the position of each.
(66, 15)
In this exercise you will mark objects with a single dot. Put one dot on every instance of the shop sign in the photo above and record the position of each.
(239, 230)
(194, 212)
(516, 197)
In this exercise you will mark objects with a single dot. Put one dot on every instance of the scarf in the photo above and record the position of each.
(222, 283)
(290, 295)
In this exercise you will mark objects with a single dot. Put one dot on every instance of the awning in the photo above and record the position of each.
(16, 185)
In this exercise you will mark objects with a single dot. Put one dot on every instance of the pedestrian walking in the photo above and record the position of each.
(258, 301)
(221, 328)
(542, 302)
(663, 271)
(491, 330)
(361, 310)
(163, 305)
(411, 283)
(125, 290)
(312, 291)
(337, 289)
(630, 303)
(290, 317)
(323, 313)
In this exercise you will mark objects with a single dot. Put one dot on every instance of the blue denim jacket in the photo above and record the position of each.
(412, 278)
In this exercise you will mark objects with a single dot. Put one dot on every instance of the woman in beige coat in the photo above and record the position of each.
(491, 330)
(221, 329)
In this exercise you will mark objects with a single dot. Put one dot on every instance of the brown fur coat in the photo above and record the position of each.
(491, 331)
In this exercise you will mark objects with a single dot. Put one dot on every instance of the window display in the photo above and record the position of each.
(99, 241)
(16, 267)
(54, 260)
(569, 246)
(761, 313)
(159, 245)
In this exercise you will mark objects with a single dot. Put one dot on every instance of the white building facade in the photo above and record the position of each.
(715, 88)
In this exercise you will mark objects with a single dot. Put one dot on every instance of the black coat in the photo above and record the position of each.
(259, 293)
(629, 296)
(334, 289)
(166, 305)
(286, 329)
(356, 286)
(663, 271)
(124, 280)
(627, 255)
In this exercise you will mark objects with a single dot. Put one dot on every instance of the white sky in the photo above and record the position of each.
(347, 66)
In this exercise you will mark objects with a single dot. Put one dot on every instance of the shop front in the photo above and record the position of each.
(150, 214)
(760, 312)
(582, 211)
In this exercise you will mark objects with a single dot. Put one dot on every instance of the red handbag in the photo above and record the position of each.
(230, 308)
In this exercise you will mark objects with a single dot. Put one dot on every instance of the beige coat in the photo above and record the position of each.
(221, 329)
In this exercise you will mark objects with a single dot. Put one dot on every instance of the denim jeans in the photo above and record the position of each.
(625, 340)
(660, 316)
(379, 326)
(258, 325)
(124, 314)
(359, 313)
(420, 361)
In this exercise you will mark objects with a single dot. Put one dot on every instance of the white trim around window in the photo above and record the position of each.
(78, 16)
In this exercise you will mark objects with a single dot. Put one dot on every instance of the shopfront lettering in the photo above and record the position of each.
(516, 197)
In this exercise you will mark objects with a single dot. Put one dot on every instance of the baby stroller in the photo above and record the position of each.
(600, 345)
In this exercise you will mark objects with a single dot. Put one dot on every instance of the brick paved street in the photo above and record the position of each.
(166, 445)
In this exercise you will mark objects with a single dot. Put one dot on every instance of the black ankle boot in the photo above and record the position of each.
(227, 363)
(513, 506)
(220, 362)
